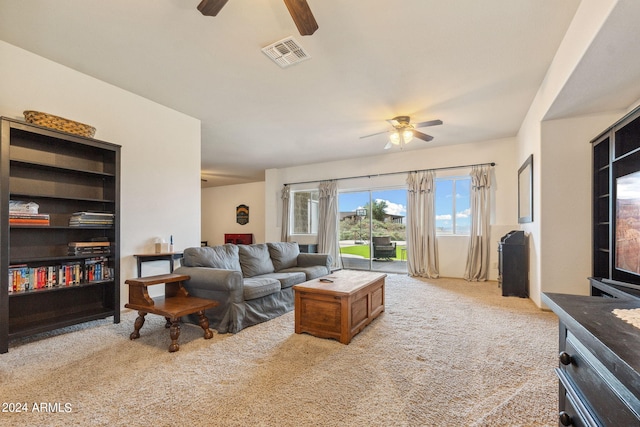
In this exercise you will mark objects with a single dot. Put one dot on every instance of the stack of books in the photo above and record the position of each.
(16, 218)
(91, 219)
(23, 213)
(89, 248)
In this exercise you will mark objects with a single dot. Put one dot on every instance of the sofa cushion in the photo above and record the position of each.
(255, 259)
(288, 279)
(259, 287)
(284, 254)
(223, 256)
(312, 272)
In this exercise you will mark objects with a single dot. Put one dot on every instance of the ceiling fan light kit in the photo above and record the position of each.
(400, 137)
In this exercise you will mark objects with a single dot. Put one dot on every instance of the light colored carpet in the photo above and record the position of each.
(445, 352)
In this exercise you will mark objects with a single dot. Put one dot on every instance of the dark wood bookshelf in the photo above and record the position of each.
(63, 173)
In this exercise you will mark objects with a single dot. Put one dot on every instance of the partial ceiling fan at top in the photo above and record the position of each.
(298, 9)
(403, 131)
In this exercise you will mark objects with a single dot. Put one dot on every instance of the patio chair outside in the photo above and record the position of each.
(383, 247)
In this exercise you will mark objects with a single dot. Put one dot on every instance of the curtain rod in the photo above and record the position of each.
(395, 173)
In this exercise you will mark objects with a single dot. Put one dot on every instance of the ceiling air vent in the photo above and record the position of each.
(286, 52)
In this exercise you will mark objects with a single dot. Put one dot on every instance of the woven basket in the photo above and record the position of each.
(59, 123)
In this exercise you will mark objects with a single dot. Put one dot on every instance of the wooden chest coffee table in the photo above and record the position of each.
(339, 309)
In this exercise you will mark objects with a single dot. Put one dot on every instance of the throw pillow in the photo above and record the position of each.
(223, 256)
(284, 254)
(255, 259)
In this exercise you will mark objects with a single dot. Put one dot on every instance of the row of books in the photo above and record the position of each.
(91, 219)
(24, 278)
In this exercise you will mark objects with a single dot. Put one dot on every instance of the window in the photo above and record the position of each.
(453, 212)
(304, 212)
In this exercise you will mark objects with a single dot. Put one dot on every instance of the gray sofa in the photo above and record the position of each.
(252, 283)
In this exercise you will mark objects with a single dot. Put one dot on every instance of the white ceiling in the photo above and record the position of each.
(476, 65)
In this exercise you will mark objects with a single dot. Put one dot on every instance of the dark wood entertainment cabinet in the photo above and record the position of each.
(616, 153)
(64, 174)
(599, 360)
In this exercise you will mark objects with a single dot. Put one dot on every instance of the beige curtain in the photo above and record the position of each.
(422, 248)
(328, 221)
(477, 268)
(284, 234)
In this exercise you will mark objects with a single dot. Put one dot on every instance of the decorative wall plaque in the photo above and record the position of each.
(242, 214)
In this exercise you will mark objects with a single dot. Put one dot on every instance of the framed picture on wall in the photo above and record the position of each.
(525, 191)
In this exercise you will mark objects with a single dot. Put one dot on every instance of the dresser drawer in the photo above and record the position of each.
(572, 409)
(606, 399)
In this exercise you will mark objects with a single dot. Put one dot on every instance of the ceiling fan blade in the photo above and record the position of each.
(374, 134)
(429, 123)
(389, 145)
(422, 136)
(302, 16)
(211, 7)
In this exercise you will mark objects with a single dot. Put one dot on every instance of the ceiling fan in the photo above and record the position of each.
(403, 131)
(298, 9)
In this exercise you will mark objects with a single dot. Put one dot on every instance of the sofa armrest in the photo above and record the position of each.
(205, 280)
(221, 285)
(310, 260)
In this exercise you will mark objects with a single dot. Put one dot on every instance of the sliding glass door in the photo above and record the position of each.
(373, 230)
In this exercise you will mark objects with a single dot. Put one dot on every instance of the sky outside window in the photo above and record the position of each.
(452, 199)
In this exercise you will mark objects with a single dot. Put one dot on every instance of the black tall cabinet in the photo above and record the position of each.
(513, 264)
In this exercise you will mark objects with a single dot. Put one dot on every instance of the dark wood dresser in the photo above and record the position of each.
(599, 361)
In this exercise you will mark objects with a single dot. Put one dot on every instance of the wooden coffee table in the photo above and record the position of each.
(339, 309)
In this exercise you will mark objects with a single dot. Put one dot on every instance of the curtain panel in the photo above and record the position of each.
(284, 233)
(422, 248)
(328, 220)
(477, 267)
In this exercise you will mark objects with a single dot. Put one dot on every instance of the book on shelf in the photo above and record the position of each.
(21, 218)
(88, 219)
(23, 278)
(89, 248)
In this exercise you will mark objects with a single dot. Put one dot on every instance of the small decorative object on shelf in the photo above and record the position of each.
(59, 123)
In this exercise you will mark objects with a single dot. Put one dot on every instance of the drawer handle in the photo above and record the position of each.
(565, 419)
(566, 360)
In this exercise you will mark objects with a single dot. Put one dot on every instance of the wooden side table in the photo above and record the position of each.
(175, 303)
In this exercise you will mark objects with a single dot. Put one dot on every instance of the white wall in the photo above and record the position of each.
(555, 164)
(219, 211)
(566, 190)
(452, 250)
(160, 178)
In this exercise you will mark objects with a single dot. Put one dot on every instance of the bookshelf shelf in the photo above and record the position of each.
(60, 288)
(56, 168)
(63, 174)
